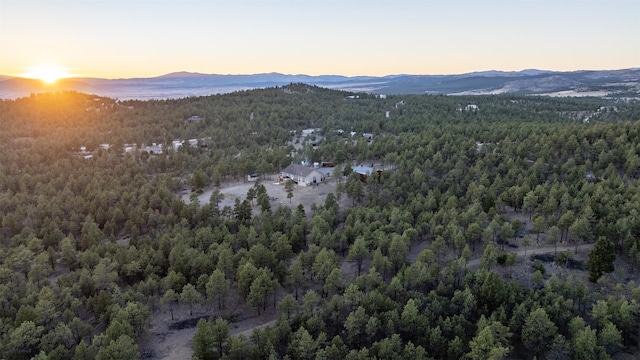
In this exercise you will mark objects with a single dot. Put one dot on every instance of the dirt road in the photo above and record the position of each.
(541, 250)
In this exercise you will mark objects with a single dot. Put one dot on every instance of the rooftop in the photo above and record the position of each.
(299, 170)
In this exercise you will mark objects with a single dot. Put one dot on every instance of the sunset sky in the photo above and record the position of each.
(143, 38)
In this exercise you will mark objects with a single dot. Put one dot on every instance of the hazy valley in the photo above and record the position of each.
(615, 83)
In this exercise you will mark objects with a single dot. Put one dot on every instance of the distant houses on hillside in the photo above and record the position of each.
(151, 149)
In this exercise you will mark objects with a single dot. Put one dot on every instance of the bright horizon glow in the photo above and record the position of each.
(146, 38)
(48, 73)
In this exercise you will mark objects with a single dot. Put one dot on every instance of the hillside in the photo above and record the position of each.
(426, 227)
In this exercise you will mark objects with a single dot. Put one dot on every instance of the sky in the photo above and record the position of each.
(145, 38)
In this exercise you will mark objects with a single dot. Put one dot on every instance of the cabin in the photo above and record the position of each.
(302, 175)
(363, 171)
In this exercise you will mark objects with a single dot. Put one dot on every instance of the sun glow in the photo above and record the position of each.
(48, 73)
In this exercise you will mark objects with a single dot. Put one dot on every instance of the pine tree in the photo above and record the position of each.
(601, 259)
(203, 341)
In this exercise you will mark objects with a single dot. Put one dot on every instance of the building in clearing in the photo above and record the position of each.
(302, 175)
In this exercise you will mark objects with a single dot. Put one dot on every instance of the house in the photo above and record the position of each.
(608, 109)
(194, 119)
(302, 175)
(479, 146)
(368, 136)
(363, 171)
(153, 149)
(307, 132)
(130, 148)
(193, 142)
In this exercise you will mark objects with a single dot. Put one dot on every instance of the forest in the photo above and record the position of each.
(92, 247)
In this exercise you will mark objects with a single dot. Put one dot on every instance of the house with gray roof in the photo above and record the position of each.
(302, 175)
(363, 170)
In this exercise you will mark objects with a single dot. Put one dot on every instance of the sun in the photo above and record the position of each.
(48, 73)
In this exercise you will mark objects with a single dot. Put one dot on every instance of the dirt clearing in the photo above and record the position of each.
(301, 194)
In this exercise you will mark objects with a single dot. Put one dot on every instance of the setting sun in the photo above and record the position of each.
(46, 72)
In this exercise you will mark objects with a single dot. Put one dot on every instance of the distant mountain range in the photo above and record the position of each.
(620, 83)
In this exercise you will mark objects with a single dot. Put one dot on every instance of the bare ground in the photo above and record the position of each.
(301, 194)
(165, 338)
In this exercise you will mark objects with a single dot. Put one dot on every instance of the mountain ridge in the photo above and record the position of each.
(185, 84)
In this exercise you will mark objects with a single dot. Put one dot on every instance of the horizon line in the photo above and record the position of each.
(196, 73)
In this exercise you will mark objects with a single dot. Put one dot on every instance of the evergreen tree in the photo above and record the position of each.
(601, 259)
(203, 341)
(220, 334)
(538, 331)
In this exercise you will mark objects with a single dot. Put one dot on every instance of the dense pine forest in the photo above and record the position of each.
(95, 239)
